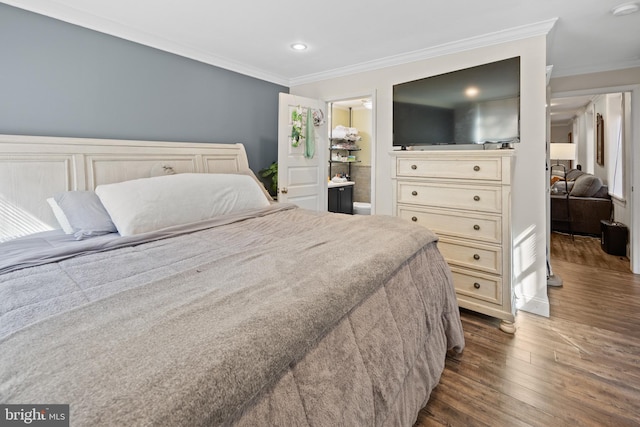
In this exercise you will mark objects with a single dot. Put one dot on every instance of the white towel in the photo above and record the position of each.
(343, 132)
(339, 132)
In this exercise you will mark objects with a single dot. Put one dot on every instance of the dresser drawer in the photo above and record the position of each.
(487, 228)
(467, 254)
(477, 285)
(481, 198)
(461, 168)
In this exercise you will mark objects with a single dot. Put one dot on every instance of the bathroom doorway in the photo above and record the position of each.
(351, 148)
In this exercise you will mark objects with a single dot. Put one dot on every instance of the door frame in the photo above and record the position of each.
(634, 147)
(372, 96)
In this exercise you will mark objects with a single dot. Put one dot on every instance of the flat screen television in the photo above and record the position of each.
(475, 105)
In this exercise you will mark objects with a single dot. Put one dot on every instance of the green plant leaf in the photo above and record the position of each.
(270, 174)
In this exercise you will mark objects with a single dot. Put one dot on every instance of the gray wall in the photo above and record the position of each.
(59, 79)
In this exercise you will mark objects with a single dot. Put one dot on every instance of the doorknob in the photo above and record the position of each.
(284, 190)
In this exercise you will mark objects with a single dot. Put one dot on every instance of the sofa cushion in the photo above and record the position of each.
(603, 192)
(586, 185)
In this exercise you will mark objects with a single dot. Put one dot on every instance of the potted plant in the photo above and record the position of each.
(270, 175)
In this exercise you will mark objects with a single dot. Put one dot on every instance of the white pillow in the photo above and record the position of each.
(150, 204)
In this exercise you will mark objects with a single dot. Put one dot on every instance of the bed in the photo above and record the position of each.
(258, 316)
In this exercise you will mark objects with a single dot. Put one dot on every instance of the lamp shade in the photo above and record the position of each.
(562, 151)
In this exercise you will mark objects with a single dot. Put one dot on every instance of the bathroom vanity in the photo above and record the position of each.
(341, 197)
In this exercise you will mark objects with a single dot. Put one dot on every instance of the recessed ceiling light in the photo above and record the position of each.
(471, 91)
(299, 46)
(625, 9)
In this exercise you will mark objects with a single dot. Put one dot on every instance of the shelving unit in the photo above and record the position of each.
(334, 148)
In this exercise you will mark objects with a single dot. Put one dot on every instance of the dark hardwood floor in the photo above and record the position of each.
(579, 367)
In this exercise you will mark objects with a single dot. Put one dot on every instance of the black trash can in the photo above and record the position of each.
(613, 237)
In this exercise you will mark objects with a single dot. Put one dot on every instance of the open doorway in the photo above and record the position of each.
(599, 124)
(351, 150)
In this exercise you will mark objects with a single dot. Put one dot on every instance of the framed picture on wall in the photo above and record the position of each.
(599, 139)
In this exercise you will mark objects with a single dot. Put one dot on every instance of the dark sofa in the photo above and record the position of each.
(588, 202)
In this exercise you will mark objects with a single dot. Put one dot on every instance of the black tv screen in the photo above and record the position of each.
(471, 106)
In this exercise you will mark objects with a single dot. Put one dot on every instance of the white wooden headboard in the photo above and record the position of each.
(33, 168)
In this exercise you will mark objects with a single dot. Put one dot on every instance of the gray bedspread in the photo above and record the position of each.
(277, 318)
(49, 246)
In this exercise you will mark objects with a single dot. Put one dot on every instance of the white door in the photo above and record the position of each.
(302, 155)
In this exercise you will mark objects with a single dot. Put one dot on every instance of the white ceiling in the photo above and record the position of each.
(254, 37)
(563, 110)
(346, 36)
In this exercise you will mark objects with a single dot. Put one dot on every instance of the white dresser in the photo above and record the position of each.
(464, 197)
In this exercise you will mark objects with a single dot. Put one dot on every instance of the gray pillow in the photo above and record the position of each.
(85, 213)
(561, 187)
(586, 186)
(573, 174)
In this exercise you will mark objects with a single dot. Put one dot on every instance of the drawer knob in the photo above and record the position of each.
(476, 257)
(414, 193)
(414, 219)
(476, 285)
(476, 168)
(476, 227)
(414, 167)
(476, 198)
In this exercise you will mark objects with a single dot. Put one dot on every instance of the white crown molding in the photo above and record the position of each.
(575, 71)
(498, 37)
(68, 14)
(73, 16)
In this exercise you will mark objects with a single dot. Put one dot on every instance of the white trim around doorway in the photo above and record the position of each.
(634, 202)
(374, 139)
